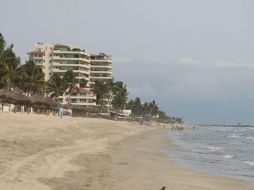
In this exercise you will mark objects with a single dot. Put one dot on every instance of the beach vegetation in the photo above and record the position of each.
(55, 86)
(120, 94)
(30, 78)
(102, 90)
(8, 64)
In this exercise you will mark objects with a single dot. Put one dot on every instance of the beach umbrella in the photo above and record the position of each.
(37, 100)
(5, 97)
(67, 106)
(50, 102)
(92, 109)
(18, 97)
(5, 94)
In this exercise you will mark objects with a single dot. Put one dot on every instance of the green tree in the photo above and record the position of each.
(55, 86)
(137, 108)
(30, 78)
(8, 64)
(152, 108)
(119, 95)
(69, 82)
(83, 83)
(102, 91)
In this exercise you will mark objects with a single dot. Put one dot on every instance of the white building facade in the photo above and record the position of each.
(58, 58)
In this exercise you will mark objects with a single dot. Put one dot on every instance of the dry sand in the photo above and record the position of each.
(44, 152)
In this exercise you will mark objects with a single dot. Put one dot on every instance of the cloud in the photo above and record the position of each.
(121, 59)
(189, 61)
(233, 64)
(145, 91)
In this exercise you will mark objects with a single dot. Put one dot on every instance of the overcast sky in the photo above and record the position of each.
(194, 57)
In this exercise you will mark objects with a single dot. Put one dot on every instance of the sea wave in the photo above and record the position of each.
(228, 156)
(250, 138)
(222, 150)
(213, 148)
(208, 149)
(234, 136)
(251, 163)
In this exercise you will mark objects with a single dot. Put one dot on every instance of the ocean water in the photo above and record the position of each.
(226, 151)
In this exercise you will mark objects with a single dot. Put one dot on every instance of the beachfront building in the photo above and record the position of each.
(58, 58)
(101, 70)
(101, 67)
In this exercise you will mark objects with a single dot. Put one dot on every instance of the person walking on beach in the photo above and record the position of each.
(61, 112)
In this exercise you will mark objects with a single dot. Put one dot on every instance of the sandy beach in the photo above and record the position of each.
(45, 152)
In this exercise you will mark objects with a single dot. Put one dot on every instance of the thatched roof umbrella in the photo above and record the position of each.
(5, 97)
(50, 102)
(37, 100)
(67, 106)
(12, 97)
(78, 110)
(92, 109)
(5, 94)
(19, 97)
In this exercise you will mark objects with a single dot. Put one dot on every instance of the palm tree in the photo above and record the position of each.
(119, 95)
(69, 82)
(102, 90)
(137, 106)
(83, 83)
(8, 64)
(31, 78)
(152, 108)
(55, 86)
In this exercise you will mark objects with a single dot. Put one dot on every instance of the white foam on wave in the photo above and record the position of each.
(213, 148)
(199, 151)
(251, 163)
(208, 149)
(240, 130)
(234, 136)
(250, 138)
(228, 156)
(220, 129)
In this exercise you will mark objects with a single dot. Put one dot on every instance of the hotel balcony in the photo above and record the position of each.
(72, 65)
(71, 58)
(82, 97)
(71, 52)
(78, 97)
(101, 60)
(100, 78)
(75, 71)
(101, 72)
(84, 103)
(102, 66)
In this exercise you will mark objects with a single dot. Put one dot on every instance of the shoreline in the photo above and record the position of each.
(156, 170)
(48, 153)
(207, 151)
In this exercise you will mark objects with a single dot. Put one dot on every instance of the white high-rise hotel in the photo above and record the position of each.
(57, 58)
